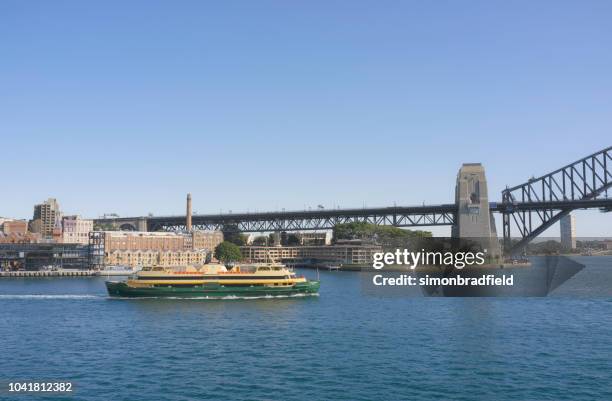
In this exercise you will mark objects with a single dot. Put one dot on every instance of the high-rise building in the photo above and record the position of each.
(75, 230)
(45, 217)
(568, 232)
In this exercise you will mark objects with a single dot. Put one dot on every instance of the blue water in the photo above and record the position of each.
(342, 345)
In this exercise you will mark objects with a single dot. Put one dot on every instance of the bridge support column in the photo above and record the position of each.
(277, 238)
(474, 220)
(141, 224)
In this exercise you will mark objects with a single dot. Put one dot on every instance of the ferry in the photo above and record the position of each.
(214, 281)
(118, 271)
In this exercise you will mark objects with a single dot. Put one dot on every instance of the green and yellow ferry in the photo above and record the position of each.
(214, 281)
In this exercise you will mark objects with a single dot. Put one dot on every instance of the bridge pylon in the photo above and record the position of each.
(474, 220)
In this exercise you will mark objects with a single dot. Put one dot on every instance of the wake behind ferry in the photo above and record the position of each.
(215, 281)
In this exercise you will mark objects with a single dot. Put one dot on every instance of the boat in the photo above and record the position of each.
(214, 281)
(118, 271)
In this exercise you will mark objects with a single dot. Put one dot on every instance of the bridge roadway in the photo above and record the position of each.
(398, 216)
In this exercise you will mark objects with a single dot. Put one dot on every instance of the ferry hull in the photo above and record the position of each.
(121, 289)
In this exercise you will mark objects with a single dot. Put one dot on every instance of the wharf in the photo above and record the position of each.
(48, 273)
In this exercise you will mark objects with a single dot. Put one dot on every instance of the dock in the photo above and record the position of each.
(48, 273)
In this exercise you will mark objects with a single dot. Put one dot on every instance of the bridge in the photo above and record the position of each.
(527, 209)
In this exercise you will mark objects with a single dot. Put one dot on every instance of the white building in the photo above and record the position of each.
(75, 230)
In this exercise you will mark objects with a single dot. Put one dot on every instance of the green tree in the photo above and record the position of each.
(271, 238)
(549, 247)
(384, 235)
(105, 227)
(293, 240)
(228, 252)
(233, 235)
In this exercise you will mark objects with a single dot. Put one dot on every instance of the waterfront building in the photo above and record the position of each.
(75, 230)
(323, 254)
(261, 254)
(36, 256)
(45, 218)
(19, 238)
(208, 240)
(135, 248)
(161, 241)
(142, 241)
(135, 258)
(315, 238)
(568, 232)
(15, 227)
(183, 258)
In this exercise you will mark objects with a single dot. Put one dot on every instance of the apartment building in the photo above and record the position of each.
(46, 217)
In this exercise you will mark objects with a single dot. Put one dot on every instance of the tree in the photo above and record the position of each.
(105, 227)
(293, 240)
(233, 235)
(550, 247)
(380, 234)
(271, 238)
(239, 239)
(228, 252)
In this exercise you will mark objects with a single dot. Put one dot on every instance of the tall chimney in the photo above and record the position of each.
(188, 213)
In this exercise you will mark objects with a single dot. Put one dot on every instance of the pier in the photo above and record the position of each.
(49, 273)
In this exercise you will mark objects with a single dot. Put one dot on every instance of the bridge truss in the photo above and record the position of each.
(416, 216)
(579, 185)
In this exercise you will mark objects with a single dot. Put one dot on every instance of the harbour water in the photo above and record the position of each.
(341, 345)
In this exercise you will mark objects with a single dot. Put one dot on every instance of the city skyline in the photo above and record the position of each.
(125, 108)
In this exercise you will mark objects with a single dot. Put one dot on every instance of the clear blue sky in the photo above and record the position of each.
(125, 106)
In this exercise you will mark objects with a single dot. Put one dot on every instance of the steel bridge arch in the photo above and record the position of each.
(575, 186)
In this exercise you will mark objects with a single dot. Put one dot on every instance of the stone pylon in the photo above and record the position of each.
(474, 220)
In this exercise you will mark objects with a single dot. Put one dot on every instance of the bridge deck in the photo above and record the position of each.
(399, 216)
